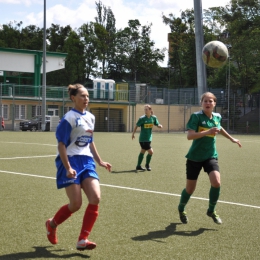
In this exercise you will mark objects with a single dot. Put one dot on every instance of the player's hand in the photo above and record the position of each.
(214, 131)
(71, 173)
(133, 136)
(233, 140)
(106, 165)
(160, 126)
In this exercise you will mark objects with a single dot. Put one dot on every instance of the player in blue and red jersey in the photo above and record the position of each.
(76, 168)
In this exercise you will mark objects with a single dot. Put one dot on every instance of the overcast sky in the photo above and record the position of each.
(75, 13)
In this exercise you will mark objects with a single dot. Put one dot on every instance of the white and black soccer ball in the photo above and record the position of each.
(215, 54)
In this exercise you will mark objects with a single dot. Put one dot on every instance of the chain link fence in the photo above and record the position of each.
(117, 110)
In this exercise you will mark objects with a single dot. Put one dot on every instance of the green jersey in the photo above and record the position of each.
(146, 124)
(203, 148)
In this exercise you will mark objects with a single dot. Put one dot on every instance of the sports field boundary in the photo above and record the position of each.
(136, 189)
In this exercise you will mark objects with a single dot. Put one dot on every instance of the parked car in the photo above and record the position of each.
(35, 124)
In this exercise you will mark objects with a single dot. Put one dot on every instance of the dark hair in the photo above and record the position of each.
(73, 89)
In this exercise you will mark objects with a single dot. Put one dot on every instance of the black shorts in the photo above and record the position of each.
(193, 168)
(145, 145)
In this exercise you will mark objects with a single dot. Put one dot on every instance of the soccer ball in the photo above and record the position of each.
(215, 54)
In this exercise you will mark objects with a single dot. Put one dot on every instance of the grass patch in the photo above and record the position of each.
(138, 216)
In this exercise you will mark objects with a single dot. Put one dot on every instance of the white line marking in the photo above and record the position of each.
(29, 143)
(135, 189)
(178, 195)
(28, 157)
(26, 174)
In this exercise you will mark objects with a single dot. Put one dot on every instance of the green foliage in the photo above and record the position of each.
(237, 25)
(75, 62)
(242, 27)
(182, 53)
(90, 42)
(98, 49)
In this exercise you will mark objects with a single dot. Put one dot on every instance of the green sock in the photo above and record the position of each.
(213, 198)
(140, 159)
(184, 200)
(148, 159)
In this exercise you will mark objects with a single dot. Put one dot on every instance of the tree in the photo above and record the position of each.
(31, 38)
(242, 22)
(10, 35)
(90, 42)
(138, 52)
(75, 68)
(105, 31)
(183, 52)
(56, 36)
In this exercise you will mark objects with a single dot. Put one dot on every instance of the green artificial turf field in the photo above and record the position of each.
(138, 217)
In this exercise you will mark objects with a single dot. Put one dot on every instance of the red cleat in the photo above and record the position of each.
(84, 244)
(51, 232)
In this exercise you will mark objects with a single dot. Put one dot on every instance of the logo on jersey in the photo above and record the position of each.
(84, 140)
(205, 129)
(148, 125)
(78, 122)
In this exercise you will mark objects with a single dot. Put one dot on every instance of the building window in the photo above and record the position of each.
(67, 109)
(19, 111)
(5, 112)
(36, 111)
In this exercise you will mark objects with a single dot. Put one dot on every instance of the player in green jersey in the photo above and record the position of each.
(202, 127)
(146, 122)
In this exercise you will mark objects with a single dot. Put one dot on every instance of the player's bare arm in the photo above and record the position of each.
(133, 134)
(98, 159)
(71, 173)
(228, 136)
(192, 134)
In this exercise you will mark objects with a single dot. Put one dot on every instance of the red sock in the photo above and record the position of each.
(89, 220)
(62, 214)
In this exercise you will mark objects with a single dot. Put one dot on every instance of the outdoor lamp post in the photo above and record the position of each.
(228, 97)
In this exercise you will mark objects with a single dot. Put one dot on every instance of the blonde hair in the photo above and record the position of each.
(149, 107)
(73, 89)
(208, 94)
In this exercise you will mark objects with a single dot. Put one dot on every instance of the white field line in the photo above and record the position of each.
(141, 190)
(28, 143)
(28, 157)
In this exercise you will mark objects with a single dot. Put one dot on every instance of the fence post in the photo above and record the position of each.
(168, 111)
(13, 118)
(184, 110)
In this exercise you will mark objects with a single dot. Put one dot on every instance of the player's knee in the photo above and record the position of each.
(190, 190)
(75, 206)
(95, 200)
(215, 179)
(150, 151)
(215, 184)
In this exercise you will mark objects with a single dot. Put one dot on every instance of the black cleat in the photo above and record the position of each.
(147, 166)
(183, 217)
(215, 217)
(140, 168)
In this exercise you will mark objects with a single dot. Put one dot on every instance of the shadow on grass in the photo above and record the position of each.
(170, 231)
(41, 252)
(127, 171)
